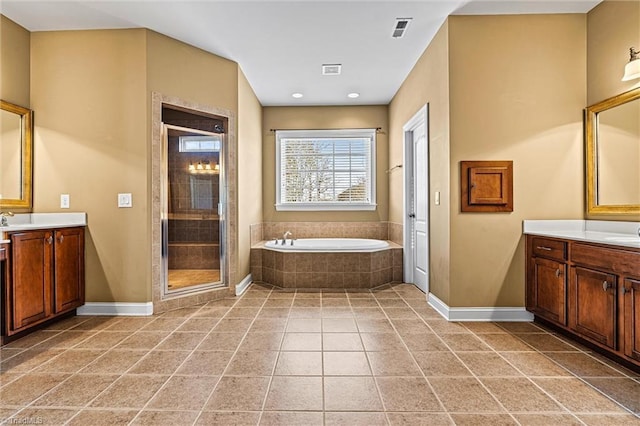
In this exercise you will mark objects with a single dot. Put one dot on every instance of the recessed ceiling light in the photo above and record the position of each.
(353, 95)
(297, 95)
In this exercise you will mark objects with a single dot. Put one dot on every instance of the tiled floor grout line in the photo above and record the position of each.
(186, 319)
(88, 404)
(477, 378)
(383, 305)
(235, 352)
(571, 373)
(71, 375)
(442, 406)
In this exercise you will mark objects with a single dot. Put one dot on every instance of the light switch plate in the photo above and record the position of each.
(124, 200)
(64, 201)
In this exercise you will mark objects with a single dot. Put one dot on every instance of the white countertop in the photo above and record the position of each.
(615, 233)
(34, 221)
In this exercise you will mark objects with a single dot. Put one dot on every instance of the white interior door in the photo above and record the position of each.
(417, 201)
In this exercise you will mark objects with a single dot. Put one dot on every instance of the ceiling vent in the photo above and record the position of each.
(331, 69)
(401, 26)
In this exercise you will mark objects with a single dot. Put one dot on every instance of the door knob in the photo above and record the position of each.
(412, 215)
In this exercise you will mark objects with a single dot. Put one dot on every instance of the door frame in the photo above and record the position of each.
(421, 117)
(163, 302)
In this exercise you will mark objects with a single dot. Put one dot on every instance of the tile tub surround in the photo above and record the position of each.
(326, 270)
(269, 230)
(294, 357)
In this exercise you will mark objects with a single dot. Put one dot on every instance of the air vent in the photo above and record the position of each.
(331, 69)
(401, 26)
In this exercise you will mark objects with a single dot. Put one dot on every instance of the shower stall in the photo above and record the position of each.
(192, 218)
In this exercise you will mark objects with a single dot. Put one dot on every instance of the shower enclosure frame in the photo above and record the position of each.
(164, 216)
(160, 301)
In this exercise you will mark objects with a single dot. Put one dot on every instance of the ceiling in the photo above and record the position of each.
(282, 45)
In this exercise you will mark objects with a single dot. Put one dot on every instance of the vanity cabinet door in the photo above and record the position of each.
(68, 292)
(549, 290)
(30, 283)
(632, 318)
(593, 307)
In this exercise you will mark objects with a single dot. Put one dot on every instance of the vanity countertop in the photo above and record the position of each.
(34, 221)
(615, 233)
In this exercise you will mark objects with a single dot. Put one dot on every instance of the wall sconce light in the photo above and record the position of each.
(632, 69)
(204, 166)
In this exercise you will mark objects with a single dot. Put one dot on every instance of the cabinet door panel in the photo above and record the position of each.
(632, 318)
(593, 307)
(31, 277)
(69, 269)
(550, 290)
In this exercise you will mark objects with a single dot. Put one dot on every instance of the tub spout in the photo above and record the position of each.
(284, 237)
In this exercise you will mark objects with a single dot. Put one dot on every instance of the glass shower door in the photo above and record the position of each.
(192, 254)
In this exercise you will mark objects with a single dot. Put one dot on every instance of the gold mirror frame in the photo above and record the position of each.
(26, 115)
(591, 140)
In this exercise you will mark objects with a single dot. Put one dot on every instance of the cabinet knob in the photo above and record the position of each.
(606, 285)
(50, 240)
(558, 273)
(624, 290)
(61, 239)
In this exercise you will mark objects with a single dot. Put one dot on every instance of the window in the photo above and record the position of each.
(199, 143)
(325, 169)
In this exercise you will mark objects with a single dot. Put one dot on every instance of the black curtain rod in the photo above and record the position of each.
(377, 129)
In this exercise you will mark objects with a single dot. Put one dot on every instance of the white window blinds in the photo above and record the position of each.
(325, 170)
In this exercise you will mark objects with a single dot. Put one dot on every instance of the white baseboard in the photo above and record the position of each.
(479, 314)
(243, 285)
(116, 308)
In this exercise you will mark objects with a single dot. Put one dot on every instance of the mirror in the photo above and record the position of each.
(612, 131)
(16, 145)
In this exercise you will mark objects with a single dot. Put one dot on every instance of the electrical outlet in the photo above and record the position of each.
(124, 200)
(64, 201)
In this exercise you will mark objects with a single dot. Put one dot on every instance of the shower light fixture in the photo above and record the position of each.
(204, 166)
(632, 69)
(297, 95)
(353, 95)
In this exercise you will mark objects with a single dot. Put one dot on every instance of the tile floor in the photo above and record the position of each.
(309, 358)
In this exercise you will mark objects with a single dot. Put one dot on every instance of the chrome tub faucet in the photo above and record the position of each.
(284, 237)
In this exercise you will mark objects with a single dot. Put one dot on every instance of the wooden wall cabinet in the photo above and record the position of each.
(45, 277)
(486, 186)
(600, 300)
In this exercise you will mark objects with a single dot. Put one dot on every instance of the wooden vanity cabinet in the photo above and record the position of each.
(631, 300)
(547, 271)
(593, 306)
(602, 298)
(45, 276)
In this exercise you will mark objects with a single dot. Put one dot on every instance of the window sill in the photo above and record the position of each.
(326, 207)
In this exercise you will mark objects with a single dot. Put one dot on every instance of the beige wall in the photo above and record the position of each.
(88, 91)
(428, 82)
(608, 49)
(249, 169)
(322, 117)
(607, 54)
(91, 91)
(517, 95)
(14, 62)
(177, 69)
